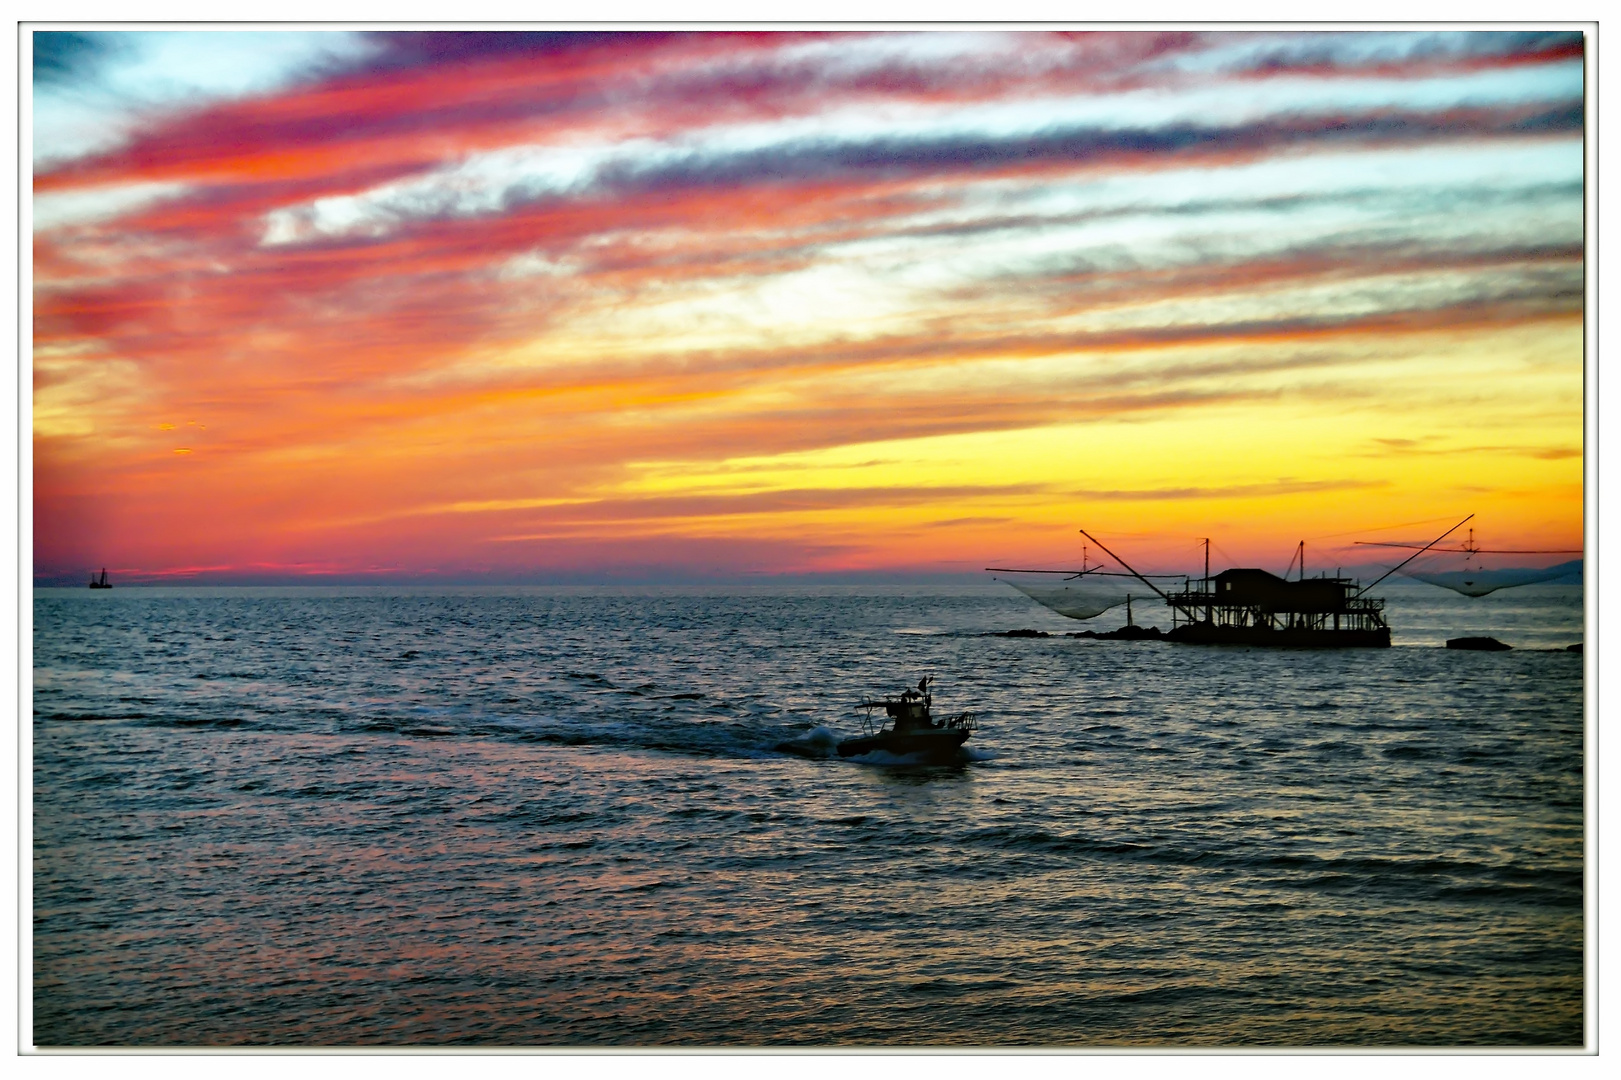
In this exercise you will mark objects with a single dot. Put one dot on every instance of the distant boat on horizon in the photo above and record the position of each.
(101, 584)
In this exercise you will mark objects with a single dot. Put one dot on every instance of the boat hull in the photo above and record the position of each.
(931, 745)
(1294, 638)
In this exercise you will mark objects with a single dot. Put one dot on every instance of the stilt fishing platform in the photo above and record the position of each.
(1248, 606)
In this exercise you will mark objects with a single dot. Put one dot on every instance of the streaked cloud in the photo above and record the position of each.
(95, 92)
(506, 289)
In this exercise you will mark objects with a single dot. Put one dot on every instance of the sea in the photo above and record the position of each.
(614, 817)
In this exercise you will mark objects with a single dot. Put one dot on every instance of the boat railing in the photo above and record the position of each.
(966, 721)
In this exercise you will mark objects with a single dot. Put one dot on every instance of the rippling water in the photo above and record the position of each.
(570, 816)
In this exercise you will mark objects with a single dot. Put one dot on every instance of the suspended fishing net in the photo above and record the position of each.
(1083, 598)
(1477, 574)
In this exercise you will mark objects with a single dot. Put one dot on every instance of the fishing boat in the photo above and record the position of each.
(103, 583)
(914, 732)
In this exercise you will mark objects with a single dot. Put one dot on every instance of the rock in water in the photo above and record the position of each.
(1478, 644)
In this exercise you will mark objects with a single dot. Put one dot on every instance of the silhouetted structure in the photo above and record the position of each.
(1253, 607)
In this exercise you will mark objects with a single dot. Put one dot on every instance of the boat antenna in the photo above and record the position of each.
(1413, 556)
(1138, 576)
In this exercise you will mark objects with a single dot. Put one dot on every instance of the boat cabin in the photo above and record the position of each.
(910, 710)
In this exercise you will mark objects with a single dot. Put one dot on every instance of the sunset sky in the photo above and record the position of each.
(509, 306)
